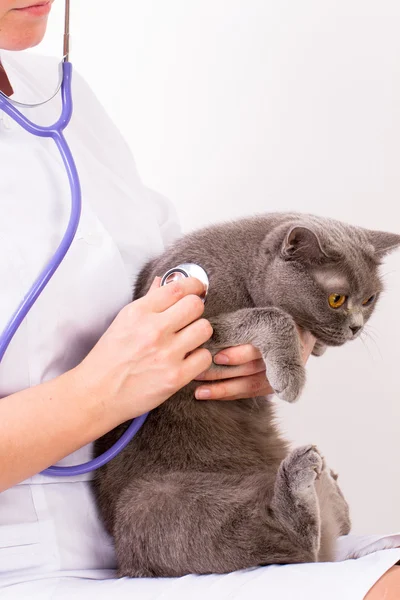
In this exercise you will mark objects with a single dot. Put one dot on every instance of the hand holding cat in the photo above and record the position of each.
(150, 351)
(246, 377)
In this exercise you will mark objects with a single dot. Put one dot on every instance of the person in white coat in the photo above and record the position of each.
(79, 364)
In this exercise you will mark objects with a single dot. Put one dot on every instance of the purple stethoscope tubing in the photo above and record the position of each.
(56, 133)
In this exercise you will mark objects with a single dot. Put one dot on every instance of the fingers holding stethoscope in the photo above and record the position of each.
(159, 299)
(180, 307)
(181, 313)
(193, 336)
(186, 344)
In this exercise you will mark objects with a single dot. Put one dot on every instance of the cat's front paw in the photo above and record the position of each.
(287, 380)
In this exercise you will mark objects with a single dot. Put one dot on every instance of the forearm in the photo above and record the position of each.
(42, 424)
(156, 338)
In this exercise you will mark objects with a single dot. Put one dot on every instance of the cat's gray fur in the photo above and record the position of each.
(211, 487)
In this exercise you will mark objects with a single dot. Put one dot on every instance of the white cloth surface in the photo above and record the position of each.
(52, 544)
(347, 580)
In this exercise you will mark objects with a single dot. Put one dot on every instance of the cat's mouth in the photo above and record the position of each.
(328, 335)
(333, 337)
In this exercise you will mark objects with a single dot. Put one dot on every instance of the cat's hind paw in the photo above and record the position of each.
(302, 467)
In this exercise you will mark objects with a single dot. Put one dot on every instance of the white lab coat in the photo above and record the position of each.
(52, 544)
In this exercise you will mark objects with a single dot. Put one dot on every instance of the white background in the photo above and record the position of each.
(239, 106)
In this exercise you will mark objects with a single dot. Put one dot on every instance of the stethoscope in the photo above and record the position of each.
(55, 131)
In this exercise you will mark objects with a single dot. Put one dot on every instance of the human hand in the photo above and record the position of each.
(149, 352)
(246, 377)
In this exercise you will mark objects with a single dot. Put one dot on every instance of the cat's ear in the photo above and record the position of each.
(302, 243)
(383, 242)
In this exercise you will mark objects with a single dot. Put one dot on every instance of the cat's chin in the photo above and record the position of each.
(336, 343)
(330, 341)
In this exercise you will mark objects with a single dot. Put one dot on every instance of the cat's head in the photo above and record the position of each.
(326, 275)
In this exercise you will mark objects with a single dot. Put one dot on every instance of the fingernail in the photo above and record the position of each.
(203, 393)
(221, 359)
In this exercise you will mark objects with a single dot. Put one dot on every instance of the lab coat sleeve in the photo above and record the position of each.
(121, 159)
(167, 217)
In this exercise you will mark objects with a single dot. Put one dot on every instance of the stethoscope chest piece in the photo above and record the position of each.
(187, 270)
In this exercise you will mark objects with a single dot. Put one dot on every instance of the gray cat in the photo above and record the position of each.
(211, 487)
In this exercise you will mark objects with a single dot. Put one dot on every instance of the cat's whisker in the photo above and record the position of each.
(371, 331)
(368, 349)
(383, 275)
(367, 335)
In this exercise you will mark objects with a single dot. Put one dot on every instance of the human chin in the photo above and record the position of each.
(21, 38)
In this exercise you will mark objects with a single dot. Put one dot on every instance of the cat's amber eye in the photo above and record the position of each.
(336, 300)
(369, 300)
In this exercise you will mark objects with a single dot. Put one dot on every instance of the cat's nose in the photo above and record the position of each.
(355, 329)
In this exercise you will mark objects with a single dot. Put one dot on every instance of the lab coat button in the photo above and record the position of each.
(6, 121)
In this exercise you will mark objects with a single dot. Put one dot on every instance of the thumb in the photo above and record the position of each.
(155, 284)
